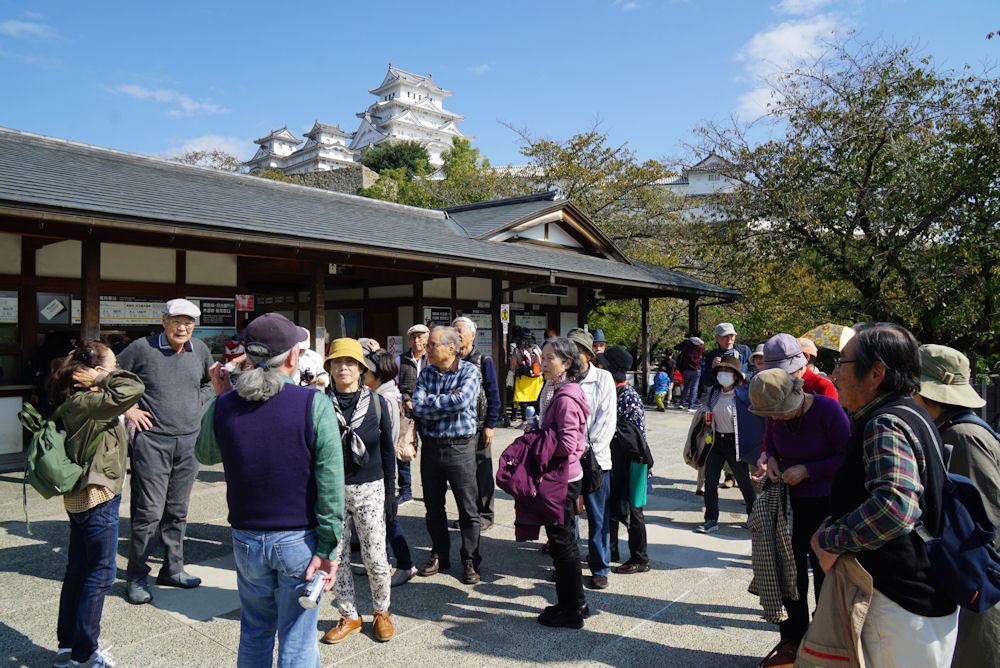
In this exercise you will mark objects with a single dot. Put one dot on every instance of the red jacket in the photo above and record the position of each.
(813, 382)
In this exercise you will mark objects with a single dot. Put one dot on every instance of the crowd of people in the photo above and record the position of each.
(318, 449)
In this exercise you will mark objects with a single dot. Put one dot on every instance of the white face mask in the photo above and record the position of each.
(725, 378)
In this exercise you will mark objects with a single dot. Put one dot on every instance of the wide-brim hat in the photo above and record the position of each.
(729, 363)
(774, 392)
(945, 375)
(582, 338)
(758, 351)
(351, 349)
(271, 334)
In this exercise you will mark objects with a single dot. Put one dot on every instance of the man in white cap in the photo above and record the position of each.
(174, 367)
(725, 339)
(310, 372)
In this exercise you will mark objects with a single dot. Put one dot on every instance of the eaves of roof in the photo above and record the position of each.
(42, 176)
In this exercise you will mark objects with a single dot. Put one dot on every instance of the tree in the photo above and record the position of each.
(410, 155)
(216, 159)
(883, 183)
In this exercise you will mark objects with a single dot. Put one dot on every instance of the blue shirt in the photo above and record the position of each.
(446, 402)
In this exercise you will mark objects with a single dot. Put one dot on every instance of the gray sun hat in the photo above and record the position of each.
(774, 392)
(944, 377)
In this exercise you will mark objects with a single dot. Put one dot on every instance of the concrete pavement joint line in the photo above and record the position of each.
(651, 617)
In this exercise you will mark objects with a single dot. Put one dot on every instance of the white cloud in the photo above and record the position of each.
(26, 29)
(479, 70)
(800, 7)
(781, 48)
(238, 146)
(186, 106)
(626, 5)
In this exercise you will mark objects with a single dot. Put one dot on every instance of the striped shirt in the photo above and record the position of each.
(893, 460)
(446, 402)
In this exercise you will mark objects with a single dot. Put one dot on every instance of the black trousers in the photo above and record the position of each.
(636, 536)
(807, 515)
(443, 465)
(565, 553)
(724, 451)
(484, 481)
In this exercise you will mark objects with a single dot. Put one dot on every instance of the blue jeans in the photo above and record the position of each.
(690, 392)
(396, 539)
(270, 567)
(90, 572)
(599, 528)
(405, 478)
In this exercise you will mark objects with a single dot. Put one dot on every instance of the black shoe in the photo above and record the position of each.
(562, 619)
(137, 592)
(551, 610)
(630, 567)
(598, 581)
(181, 579)
(484, 525)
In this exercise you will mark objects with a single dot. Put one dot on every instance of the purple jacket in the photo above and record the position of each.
(561, 442)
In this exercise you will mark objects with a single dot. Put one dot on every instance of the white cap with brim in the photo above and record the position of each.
(181, 307)
(944, 377)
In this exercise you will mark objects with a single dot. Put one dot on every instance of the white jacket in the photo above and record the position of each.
(599, 388)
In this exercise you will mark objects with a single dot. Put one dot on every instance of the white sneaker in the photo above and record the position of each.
(100, 658)
(402, 576)
(62, 657)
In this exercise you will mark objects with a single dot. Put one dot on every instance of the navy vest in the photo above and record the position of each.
(900, 569)
(267, 452)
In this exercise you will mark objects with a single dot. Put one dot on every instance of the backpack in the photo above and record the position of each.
(406, 440)
(964, 560)
(476, 359)
(47, 467)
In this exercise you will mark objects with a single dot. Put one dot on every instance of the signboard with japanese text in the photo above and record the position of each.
(8, 307)
(216, 312)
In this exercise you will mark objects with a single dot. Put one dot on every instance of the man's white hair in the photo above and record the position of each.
(465, 321)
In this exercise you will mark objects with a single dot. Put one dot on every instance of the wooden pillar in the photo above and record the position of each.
(318, 307)
(27, 304)
(499, 347)
(583, 306)
(693, 329)
(90, 293)
(418, 304)
(644, 304)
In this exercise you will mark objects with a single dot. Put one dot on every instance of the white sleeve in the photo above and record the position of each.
(605, 419)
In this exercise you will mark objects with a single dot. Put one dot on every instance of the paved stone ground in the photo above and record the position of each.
(692, 609)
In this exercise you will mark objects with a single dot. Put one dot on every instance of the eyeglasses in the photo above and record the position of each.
(180, 324)
(843, 362)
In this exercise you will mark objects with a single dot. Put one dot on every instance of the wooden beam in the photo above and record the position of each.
(90, 293)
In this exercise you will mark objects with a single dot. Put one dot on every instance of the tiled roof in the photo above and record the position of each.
(484, 217)
(37, 171)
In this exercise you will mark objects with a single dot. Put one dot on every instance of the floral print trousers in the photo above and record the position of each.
(364, 506)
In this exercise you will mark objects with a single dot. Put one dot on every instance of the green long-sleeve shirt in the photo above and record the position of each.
(328, 471)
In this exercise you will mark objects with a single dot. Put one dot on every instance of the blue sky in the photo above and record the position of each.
(162, 78)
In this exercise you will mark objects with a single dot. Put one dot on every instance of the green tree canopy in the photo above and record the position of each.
(409, 155)
(883, 183)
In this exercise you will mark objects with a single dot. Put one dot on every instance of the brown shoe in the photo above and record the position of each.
(781, 656)
(383, 627)
(470, 576)
(432, 567)
(345, 627)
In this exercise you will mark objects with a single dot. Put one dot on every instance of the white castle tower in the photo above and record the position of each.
(408, 109)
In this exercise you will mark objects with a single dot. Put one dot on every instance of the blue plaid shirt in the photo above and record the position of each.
(446, 402)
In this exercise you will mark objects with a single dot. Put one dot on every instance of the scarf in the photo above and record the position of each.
(550, 389)
(361, 400)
